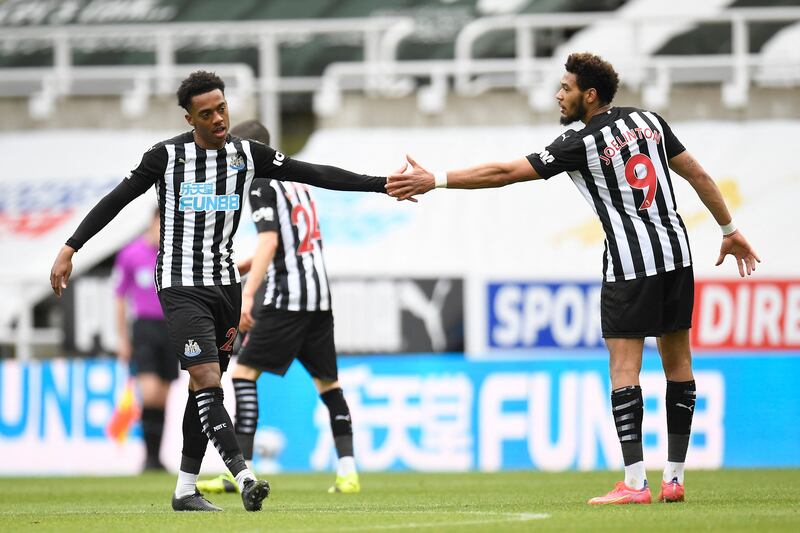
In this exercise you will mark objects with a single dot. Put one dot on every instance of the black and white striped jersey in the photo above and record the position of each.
(619, 162)
(296, 279)
(200, 194)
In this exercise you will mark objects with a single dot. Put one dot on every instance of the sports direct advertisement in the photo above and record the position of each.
(424, 413)
(753, 314)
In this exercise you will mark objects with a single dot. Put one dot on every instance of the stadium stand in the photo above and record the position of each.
(387, 50)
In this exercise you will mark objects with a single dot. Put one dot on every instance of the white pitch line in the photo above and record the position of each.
(502, 517)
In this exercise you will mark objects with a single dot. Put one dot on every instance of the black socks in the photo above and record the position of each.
(246, 415)
(628, 409)
(341, 423)
(153, 430)
(681, 398)
(194, 439)
(218, 427)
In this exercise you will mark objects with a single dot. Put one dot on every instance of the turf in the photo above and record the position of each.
(727, 500)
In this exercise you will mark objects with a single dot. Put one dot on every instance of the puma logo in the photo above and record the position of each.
(685, 406)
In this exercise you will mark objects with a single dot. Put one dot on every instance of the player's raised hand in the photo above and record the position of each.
(736, 245)
(61, 270)
(404, 185)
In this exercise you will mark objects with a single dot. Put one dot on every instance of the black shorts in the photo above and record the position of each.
(202, 322)
(280, 336)
(152, 353)
(647, 307)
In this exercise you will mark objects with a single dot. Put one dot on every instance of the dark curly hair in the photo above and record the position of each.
(592, 72)
(198, 82)
(253, 130)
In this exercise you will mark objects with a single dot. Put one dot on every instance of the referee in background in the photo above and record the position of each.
(147, 350)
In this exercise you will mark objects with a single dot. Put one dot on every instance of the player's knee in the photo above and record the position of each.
(625, 366)
(204, 376)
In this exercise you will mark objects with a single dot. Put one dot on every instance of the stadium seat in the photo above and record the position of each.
(717, 38)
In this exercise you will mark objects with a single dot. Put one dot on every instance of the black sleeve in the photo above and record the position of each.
(672, 146)
(264, 206)
(565, 153)
(271, 164)
(152, 166)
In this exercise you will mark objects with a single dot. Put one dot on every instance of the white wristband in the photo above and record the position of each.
(440, 179)
(727, 229)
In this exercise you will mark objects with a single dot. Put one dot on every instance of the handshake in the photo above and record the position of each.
(406, 183)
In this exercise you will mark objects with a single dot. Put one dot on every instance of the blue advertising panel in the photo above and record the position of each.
(528, 314)
(446, 413)
(425, 413)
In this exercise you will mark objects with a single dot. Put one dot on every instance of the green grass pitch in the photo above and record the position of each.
(725, 500)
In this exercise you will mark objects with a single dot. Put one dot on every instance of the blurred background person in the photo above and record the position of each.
(146, 349)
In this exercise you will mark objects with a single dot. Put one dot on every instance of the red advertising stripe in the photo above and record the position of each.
(747, 315)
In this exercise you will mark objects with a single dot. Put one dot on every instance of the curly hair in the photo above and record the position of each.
(198, 82)
(592, 72)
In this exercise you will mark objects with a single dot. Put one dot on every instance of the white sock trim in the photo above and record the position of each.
(673, 470)
(345, 466)
(636, 476)
(186, 485)
(241, 476)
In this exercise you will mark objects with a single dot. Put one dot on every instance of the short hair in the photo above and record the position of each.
(592, 72)
(198, 82)
(252, 130)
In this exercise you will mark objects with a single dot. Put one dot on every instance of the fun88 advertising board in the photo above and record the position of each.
(447, 413)
(426, 412)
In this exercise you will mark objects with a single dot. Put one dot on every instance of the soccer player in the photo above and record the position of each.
(295, 319)
(620, 162)
(200, 178)
(149, 355)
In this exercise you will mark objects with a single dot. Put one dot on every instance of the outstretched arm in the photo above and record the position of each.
(271, 164)
(485, 176)
(733, 243)
(141, 178)
(100, 215)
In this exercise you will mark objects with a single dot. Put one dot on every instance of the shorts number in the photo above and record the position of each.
(231, 336)
(312, 226)
(649, 181)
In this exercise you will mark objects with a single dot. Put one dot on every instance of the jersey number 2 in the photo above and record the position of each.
(645, 178)
(230, 336)
(312, 226)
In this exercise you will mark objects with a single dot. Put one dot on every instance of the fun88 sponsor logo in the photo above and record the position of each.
(544, 315)
(200, 197)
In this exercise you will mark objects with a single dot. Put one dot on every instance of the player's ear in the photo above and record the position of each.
(189, 119)
(590, 96)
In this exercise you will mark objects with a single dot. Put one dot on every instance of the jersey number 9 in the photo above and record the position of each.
(641, 174)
